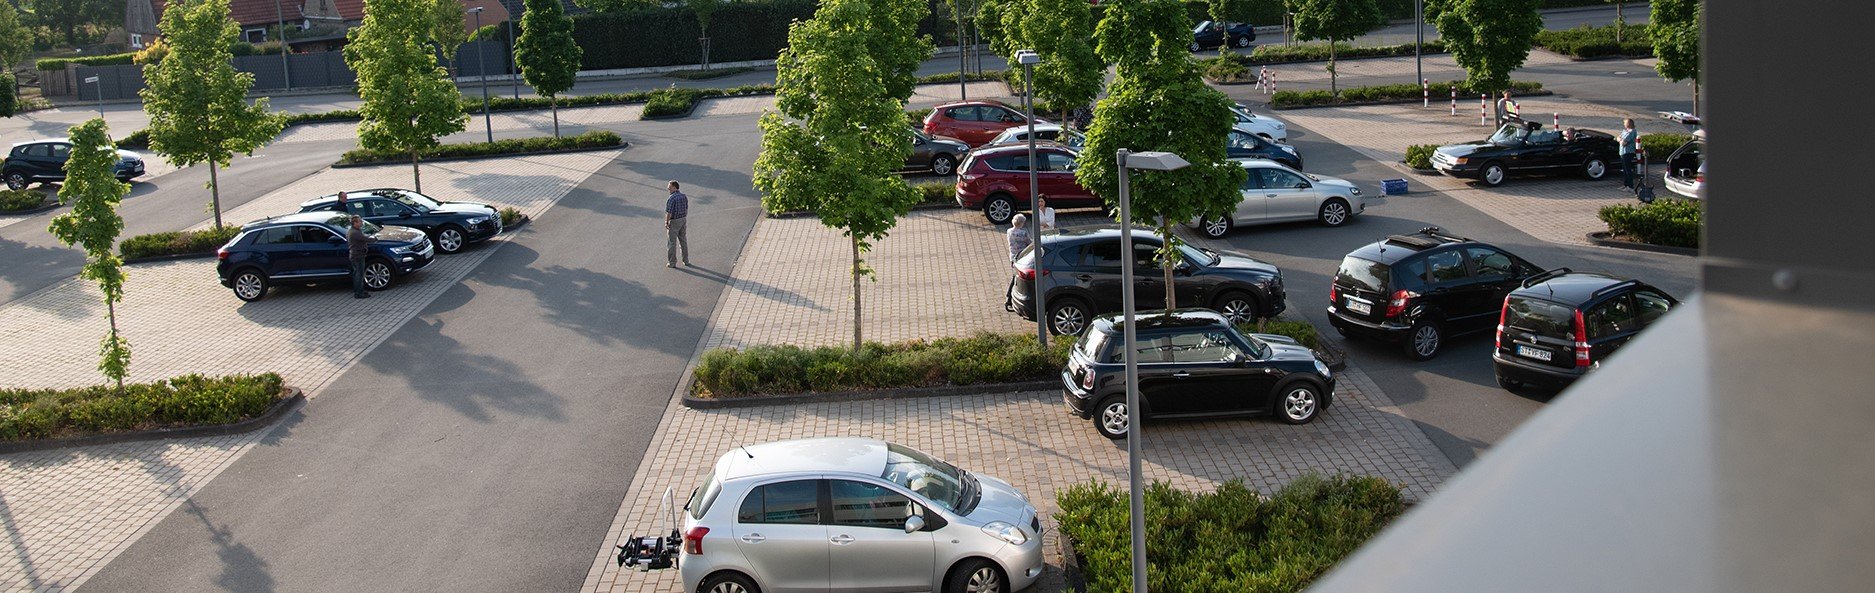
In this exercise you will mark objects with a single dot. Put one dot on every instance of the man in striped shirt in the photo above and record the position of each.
(676, 210)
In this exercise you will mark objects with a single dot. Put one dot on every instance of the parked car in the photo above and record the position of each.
(974, 122)
(996, 180)
(1262, 125)
(42, 161)
(855, 515)
(1043, 132)
(1208, 35)
(1420, 289)
(1273, 192)
(1192, 364)
(1082, 277)
(1686, 167)
(1560, 324)
(309, 248)
(1521, 147)
(1245, 145)
(937, 154)
(452, 225)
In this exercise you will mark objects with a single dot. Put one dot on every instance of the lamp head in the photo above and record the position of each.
(1028, 57)
(1153, 160)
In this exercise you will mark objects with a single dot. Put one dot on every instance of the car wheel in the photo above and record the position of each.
(1492, 174)
(1424, 340)
(976, 575)
(1111, 417)
(1594, 168)
(1215, 227)
(450, 240)
(17, 181)
(1195, 46)
(727, 582)
(999, 209)
(943, 164)
(1241, 42)
(1334, 212)
(250, 285)
(1300, 403)
(1509, 384)
(1068, 317)
(378, 274)
(1237, 307)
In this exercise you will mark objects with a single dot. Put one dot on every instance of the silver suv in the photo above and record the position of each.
(855, 514)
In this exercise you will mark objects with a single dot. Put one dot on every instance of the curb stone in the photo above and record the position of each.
(699, 403)
(1070, 563)
(291, 401)
(1603, 238)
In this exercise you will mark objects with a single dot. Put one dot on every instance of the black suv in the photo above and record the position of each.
(1082, 276)
(310, 248)
(44, 160)
(1560, 324)
(1419, 289)
(452, 225)
(1193, 363)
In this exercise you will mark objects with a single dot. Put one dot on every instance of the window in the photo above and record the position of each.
(1010, 162)
(1098, 346)
(1211, 346)
(279, 235)
(998, 114)
(1491, 263)
(1056, 162)
(702, 498)
(1242, 140)
(1540, 317)
(1143, 254)
(868, 505)
(1251, 181)
(136, 40)
(1362, 274)
(255, 35)
(793, 503)
(61, 150)
(1546, 137)
(1610, 318)
(1064, 256)
(313, 234)
(939, 482)
(1651, 305)
(1104, 254)
(965, 113)
(1446, 266)
(1152, 349)
(1274, 178)
(388, 208)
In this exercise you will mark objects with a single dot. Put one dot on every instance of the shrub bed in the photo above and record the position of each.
(983, 358)
(1419, 156)
(936, 192)
(1233, 539)
(706, 74)
(1319, 51)
(14, 200)
(510, 215)
(189, 400)
(591, 139)
(1387, 92)
(1227, 68)
(1670, 222)
(1659, 146)
(138, 140)
(1303, 331)
(176, 242)
(1598, 42)
(670, 102)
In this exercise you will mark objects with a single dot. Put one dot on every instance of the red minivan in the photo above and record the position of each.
(974, 122)
(996, 180)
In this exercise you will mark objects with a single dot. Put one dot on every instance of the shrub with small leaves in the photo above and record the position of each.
(983, 358)
(13, 200)
(189, 400)
(1419, 156)
(1595, 42)
(511, 216)
(1389, 92)
(590, 139)
(670, 102)
(177, 242)
(1674, 223)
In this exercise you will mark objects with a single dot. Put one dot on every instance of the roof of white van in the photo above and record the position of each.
(823, 455)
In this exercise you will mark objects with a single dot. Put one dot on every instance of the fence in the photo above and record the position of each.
(303, 70)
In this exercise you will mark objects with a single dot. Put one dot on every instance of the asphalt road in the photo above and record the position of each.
(485, 445)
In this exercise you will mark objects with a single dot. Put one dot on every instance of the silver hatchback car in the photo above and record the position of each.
(855, 514)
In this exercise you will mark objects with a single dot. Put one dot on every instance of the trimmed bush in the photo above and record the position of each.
(1659, 146)
(1419, 156)
(983, 358)
(138, 140)
(325, 116)
(1670, 222)
(671, 102)
(511, 146)
(14, 200)
(1319, 51)
(706, 74)
(936, 192)
(176, 242)
(1226, 68)
(510, 215)
(915, 117)
(1596, 42)
(189, 400)
(53, 64)
(1233, 539)
(1303, 331)
(1388, 92)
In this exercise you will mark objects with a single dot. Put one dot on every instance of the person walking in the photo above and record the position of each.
(357, 243)
(676, 210)
(1630, 148)
(1506, 109)
(1018, 235)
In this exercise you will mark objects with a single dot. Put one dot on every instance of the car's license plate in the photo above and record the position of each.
(1359, 307)
(1528, 352)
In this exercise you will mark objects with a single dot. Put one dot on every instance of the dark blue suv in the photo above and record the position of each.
(452, 225)
(309, 247)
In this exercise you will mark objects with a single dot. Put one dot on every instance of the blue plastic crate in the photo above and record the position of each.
(1392, 186)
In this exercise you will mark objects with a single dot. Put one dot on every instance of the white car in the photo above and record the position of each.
(1043, 133)
(1261, 125)
(1274, 193)
(1686, 168)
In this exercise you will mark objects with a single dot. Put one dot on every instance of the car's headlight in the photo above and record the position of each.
(1006, 532)
(402, 249)
(478, 220)
(1461, 160)
(1322, 368)
(1354, 190)
(1287, 148)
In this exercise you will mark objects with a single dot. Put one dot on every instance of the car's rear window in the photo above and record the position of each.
(1362, 274)
(1540, 317)
(702, 498)
(1098, 346)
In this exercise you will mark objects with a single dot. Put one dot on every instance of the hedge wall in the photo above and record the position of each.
(51, 64)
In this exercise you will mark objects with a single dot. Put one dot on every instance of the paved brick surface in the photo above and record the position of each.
(531, 121)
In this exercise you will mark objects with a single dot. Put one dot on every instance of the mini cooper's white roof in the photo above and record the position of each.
(818, 455)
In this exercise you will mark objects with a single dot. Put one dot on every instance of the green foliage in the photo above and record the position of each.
(92, 188)
(189, 400)
(1419, 156)
(707, 74)
(334, 115)
(137, 140)
(408, 100)
(1303, 331)
(55, 64)
(1060, 32)
(1319, 51)
(703, 9)
(176, 242)
(668, 36)
(16, 42)
(670, 102)
(14, 200)
(983, 358)
(1335, 20)
(153, 53)
(1233, 539)
(546, 52)
(490, 32)
(1674, 26)
(9, 100)
(508, 146)
(617, 5)
(511, 216)
(1226, 68)
(1595, 42)
(1670, 222)
(1658, 146)
(1389, 92)
(76, 22)
(1488, 38)
(935, 192)
(447, 28)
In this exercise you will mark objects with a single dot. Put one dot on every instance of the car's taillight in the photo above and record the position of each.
(1582, 342)
(693, 540)
(1699, 177)
(1334, 293)
(1397, 305)
(1087, 379)
(221, 254)
(1501, 312)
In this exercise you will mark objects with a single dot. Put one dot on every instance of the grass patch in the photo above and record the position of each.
(1233, 539)
(1419, 156)
(511, 146)
(177, 242)
(706, 74)
(983, 358)
(189, 400)
(1670, 222)
(1387, 92)
(14, 200)
(1598, 42)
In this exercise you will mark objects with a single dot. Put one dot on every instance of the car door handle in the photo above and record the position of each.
(1269, 195)
(842, 539)
(754, 538)
(1180, 375)
(1083, 277)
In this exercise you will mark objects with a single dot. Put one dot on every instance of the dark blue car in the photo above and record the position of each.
(1207, 35)
(309, 248)
(1245, 145)
(452, 225)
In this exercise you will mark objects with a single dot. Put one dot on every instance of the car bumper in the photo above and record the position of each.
(1385, 332)
(484, 231)
(411, 262)
(1532, 374)
(1022, 563)
(1075, 397)
(1460, 171)
(1690, 189)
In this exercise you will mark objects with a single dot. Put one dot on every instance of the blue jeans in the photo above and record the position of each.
(1627, 171)
(358, 277)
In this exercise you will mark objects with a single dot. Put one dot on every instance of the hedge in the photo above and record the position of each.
(935, 192)
(1595, 42)
(706, 74)
(1233, 539)
(176, 242)
(1302, 331)
(14, 200)
(510, 215)
(669, 102)
(189, 400)
(1659, 146)
(591, 139)
(983, 358)
(138, 140)
(1387, 92)
(1670, 222)
(1419, 156)
(1319, 51)
(52, 64)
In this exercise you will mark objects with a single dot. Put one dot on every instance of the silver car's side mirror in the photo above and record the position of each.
(914, 524)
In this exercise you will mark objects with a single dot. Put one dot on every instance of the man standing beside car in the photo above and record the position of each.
(1630, 147)
(676, 210)
(358, 244)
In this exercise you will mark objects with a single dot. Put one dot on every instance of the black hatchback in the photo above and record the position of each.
(452, 225)
(309, 248)
(1419, 289)
(1193, 363)
(1081, 272)
(44, 161)
(1560, 324)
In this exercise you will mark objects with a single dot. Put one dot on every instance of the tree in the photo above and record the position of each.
(1158, 102)
(841, 87)
(92, 188)
(548, 56)
(9, 100)
(197, 101)
(704, 9)
(409, 100)
(1335, 20)
(617, 5)
(1621, 24)
(16, 42)
(66, 17)
(1061, 32)
(1223, 12)
(447, 29)
(1675, 25)
(1488, 38)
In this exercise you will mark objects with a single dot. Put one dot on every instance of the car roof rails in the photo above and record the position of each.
(1436, 232)
(1413, 241)
(1545, 276)
(1613, 287)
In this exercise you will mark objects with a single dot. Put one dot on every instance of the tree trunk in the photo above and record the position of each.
(554, 101)
(416, 173)
(856, 335)
(110, 310)
(1619, 23)
(1695, 97)
(214, 193)
(1169, 263)
(1333, 91)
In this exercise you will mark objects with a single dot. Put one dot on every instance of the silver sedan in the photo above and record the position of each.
(1274, 193)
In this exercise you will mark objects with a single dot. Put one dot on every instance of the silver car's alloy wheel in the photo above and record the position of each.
(1426, 340)
(16, 181)
(728, 587)
(1334, 213)
(1595, 168)
(1493, 174)
(1299, 404)
(985, 580)
(1216, 227)
(1195, 46)
(1243, 42)
(1113, 417)
(377, 275)
(248, 286)
(450, 240)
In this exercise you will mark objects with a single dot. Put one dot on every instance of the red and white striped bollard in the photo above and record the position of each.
(1425, 92)
(1558, 119)
(1484, 108)
(1454, 100)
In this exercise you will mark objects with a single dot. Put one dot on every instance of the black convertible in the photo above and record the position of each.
(1525, 147)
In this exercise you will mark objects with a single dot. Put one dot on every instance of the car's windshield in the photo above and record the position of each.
(941, 483)
(1510, 134)
(1196, 255)
(344, 221)
(416, 200)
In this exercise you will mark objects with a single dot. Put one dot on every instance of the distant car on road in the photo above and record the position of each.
(309, 248)
(1207, 35)
(1083, 279)
(1419, 289)
(1275, 193)
(1262, 125)
(937, 154)
(995, 180)
(1560, 324)
(1686, 168)
(1043, 133)
(1244, 145)
(1521, 147)
(42, 161)
(974, 122)
(452, 225)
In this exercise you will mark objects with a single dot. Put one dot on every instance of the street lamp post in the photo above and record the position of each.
(1419, 36)
(1028, 59)
(1144, 161)
(513, 67)
(963, 82)
(481, 70)
(285, 71)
